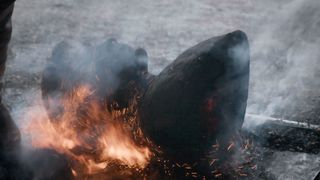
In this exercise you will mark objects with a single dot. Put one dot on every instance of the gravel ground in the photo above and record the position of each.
(284, 37)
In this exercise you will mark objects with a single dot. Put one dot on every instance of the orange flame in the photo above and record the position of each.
(88, 134)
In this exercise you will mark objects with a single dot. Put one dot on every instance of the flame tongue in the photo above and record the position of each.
(88, 134)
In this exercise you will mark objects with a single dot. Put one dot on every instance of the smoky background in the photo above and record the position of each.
(284, 40)
(284, 37)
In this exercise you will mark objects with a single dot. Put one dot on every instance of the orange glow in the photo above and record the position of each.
(89, 135)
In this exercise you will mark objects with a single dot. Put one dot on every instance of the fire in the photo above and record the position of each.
(88, 134)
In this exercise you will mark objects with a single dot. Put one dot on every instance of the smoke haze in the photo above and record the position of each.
(284, 39)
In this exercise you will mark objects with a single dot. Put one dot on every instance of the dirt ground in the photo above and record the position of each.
(284, 37)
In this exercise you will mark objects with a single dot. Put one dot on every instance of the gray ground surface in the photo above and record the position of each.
(284, 37)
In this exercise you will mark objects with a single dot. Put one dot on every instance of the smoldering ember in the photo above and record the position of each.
(100, 111)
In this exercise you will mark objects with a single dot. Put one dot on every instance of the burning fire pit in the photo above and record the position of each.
(111, 119)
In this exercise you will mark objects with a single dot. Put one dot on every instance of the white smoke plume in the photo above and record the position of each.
(285, 63)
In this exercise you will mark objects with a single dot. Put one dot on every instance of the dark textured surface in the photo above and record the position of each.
(286, 138)
(47, 164)
(200, 97)
(9, 132)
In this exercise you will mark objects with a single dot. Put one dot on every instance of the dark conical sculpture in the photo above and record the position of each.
(200, 98)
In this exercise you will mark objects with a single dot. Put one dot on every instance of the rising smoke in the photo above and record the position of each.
(285, 64)
(285, 55)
